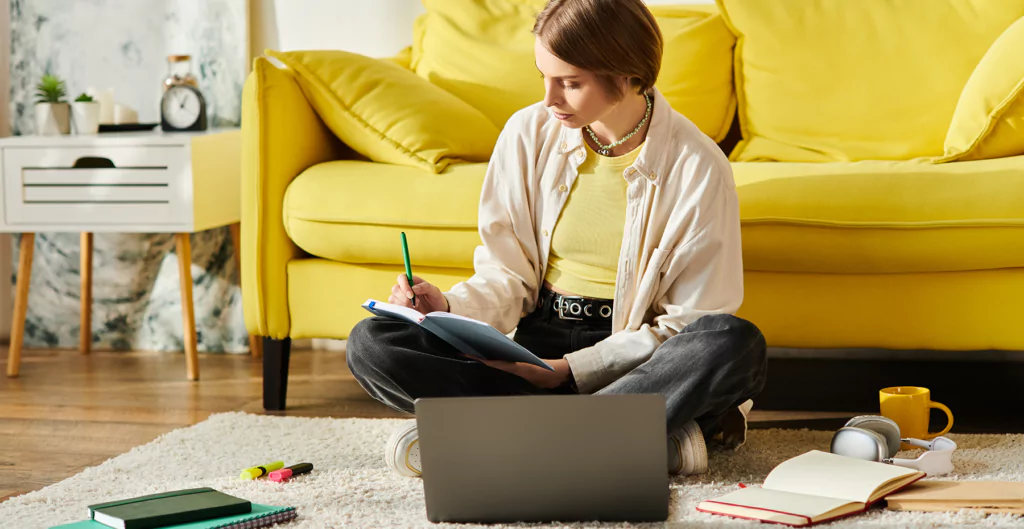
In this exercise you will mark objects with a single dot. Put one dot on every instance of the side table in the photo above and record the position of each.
(133, 182)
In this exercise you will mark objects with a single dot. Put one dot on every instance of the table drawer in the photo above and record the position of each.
(145, 185)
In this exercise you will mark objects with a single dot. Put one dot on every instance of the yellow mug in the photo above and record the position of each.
(909, 406)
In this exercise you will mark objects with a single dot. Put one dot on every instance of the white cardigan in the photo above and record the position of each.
(680, 256)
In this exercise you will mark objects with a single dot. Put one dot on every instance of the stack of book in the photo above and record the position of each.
(202, 508)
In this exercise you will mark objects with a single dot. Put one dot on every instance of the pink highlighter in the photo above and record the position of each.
(294, 470)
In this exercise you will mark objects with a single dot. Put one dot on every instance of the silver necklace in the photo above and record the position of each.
(603, 150)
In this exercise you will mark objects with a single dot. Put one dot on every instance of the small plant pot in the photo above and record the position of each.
(53, 119)
(86, 117)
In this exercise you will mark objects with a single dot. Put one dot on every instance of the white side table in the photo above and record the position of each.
(137, 182)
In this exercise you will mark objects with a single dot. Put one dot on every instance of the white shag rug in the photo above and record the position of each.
(351, 487)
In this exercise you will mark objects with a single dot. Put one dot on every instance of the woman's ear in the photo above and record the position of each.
(623, 85)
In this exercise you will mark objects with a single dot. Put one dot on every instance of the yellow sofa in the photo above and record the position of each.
(858, 230)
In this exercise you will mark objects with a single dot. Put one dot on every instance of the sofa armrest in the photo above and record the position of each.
(281, 137)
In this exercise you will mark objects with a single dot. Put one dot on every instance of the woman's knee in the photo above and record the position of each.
(730, 324)
(725, 331)
(362, 350)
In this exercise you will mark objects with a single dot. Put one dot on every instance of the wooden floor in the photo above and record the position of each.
(67, 411)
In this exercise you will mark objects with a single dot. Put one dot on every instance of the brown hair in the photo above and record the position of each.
(611, 38)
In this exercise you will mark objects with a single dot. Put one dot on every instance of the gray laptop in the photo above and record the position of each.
(544, 458)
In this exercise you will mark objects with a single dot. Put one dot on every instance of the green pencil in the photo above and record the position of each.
(408, 265)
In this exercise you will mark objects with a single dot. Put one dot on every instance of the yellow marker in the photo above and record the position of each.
(256, 472)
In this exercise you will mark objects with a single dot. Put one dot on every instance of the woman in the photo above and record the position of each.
(611, 244)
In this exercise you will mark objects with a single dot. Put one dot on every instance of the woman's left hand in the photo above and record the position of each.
(536, 375)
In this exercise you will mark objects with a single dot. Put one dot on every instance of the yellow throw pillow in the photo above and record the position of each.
(696, 67)
(389, 114)
(830, 80)
(989, 119)
(482, 51)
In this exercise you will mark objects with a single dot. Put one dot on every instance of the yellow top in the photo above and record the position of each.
(586, 240)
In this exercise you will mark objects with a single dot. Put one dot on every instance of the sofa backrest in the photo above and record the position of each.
(834, 80)
(482, 51)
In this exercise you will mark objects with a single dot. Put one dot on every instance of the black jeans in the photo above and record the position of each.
(715, 364)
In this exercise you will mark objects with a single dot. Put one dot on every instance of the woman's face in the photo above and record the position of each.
(574, 95)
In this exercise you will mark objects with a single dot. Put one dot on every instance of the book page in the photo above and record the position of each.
(393, 311)
(825, 474)
(440, 314)
(779, 506)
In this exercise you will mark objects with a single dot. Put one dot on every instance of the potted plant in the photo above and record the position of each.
(85, 113)
(52, 112)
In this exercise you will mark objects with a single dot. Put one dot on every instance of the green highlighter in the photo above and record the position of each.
(408, 265)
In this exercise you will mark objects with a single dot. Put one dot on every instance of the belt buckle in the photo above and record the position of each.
(562, 304)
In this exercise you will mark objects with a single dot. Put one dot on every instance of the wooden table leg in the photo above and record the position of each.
(85, 329)
(188, 319)
(28, 244)
(255, 343)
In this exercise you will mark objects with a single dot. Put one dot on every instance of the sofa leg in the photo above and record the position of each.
(275, 372)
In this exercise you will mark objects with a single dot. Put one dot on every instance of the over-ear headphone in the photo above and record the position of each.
(877, 438)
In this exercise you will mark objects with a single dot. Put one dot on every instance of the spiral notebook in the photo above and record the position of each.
(260, 516)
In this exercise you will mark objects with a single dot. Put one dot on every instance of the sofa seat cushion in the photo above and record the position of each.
(354, 212)
(882, 216)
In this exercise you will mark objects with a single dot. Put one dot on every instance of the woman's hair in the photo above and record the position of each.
(611, 38)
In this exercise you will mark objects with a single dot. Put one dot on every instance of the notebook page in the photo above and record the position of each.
(820, 473)
(812, 507)
(394, 311)
(457, 317)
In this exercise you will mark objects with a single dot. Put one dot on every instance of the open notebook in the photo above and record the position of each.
(469, 336)
(812, 488)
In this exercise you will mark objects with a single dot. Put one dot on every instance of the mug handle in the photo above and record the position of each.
(949, 416)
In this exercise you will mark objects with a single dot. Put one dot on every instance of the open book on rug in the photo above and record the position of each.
(812, 488)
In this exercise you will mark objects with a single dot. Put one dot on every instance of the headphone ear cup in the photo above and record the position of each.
(883, 426)
(850, 441)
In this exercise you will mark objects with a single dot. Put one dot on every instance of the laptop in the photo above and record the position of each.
(544, 458)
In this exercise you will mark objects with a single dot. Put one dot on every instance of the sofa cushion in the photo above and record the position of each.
(989, 118)
(827, 80)
(356, 97)
(355, 211)
(482, 51)
(882, 216)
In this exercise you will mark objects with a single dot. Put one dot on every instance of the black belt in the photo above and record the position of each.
(577, 307)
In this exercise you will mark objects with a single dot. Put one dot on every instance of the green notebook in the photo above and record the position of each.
(168, 508)
(260, 516)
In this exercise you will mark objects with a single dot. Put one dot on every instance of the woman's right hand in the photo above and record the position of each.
(428, 297)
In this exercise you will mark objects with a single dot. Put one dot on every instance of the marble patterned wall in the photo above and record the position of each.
(123, 45)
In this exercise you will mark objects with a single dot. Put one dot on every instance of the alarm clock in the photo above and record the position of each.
(182, 108)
